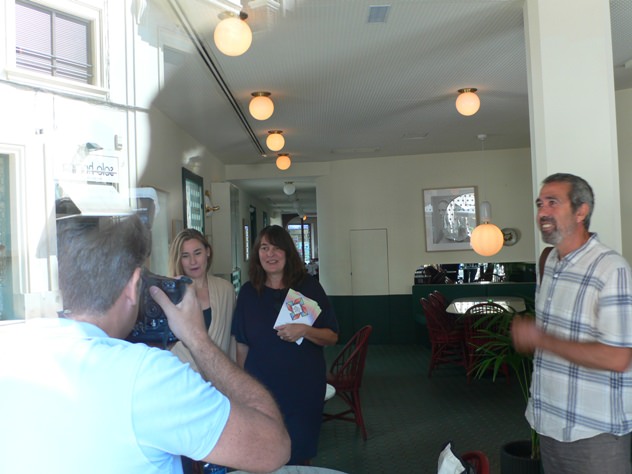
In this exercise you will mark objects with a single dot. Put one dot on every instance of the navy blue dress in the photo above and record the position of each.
(294, 374)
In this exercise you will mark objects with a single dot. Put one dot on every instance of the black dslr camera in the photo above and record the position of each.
(151, 326)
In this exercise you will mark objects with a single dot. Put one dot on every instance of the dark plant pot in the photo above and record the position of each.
(515, 458)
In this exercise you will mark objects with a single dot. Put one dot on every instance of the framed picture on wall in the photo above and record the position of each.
(450, 216)
(192, 200)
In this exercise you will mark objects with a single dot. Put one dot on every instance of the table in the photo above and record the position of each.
(461, 305)
(299, 470)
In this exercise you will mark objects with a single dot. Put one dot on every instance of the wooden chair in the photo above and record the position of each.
(477, 325)
(345, 374)
(447, 341)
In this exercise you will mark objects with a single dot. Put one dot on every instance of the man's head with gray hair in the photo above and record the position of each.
(97, 257)
(580, 192)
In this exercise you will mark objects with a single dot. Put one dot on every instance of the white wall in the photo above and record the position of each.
(624, 133)
(388, 193)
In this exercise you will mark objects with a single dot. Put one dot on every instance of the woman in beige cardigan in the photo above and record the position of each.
(190, 254)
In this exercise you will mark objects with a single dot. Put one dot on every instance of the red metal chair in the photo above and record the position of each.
(447, 341)
(345, 374)
(478, 460)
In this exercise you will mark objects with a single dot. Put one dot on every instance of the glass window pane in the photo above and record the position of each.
(52, 42)
(33, 38)
(6, 279)
(71, 48)
(301, 240)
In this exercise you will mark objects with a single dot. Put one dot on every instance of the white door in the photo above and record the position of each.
(369, 262)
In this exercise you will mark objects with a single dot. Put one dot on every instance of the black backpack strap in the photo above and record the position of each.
(543, 256)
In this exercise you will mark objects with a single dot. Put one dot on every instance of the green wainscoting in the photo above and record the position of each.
(399, 319)
(390, 315)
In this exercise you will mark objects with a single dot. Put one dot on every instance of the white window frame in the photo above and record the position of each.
(23, 299)
(90, 10)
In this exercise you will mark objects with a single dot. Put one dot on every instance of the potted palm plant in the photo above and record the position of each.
(496, 352)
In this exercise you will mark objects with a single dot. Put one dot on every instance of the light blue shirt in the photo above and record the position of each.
(74, 400)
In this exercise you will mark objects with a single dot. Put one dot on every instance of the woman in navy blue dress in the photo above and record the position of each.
(294, 373)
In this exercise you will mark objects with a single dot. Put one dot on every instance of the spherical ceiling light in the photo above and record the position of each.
(486, 239)
(468, 103)
(283, 161)
(232, 35)
(289, 188)
(275, 140)
(261, 106)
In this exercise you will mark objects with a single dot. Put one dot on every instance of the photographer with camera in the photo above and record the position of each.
(79, 398)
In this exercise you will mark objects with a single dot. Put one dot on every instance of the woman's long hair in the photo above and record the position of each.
(175, 250)
(294, 270)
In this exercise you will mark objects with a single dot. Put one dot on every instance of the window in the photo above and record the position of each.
(6, 277)
(301, 235)
(54, 43)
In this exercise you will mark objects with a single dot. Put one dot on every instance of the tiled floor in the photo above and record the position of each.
(410, 416)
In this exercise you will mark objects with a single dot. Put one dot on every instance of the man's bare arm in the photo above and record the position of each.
(594, 355)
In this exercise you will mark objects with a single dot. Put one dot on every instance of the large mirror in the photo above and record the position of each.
(475, 273)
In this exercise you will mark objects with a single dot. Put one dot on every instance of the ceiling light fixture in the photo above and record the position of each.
(289, 188)
(261, 106)
(468, 103)
(232, 35)
(486, 239)
(283, 161)
(275, 140)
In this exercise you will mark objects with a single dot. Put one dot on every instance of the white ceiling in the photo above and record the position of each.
(346, 88)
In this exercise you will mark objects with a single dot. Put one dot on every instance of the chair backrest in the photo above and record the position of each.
(348, 366)
(485, 308)
(435, 328)
(440, 297)
(437, 320)
(478, 460)
(475, 324)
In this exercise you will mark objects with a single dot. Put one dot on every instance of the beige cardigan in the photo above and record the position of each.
(222, 297)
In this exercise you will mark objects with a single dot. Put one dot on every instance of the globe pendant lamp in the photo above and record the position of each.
(232, 35)
(275, 140)
(486, 238)
(283, 161)
(261, 106)
(289, 188)
(468, 103)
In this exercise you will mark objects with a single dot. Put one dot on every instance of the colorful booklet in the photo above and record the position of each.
(297, 309)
